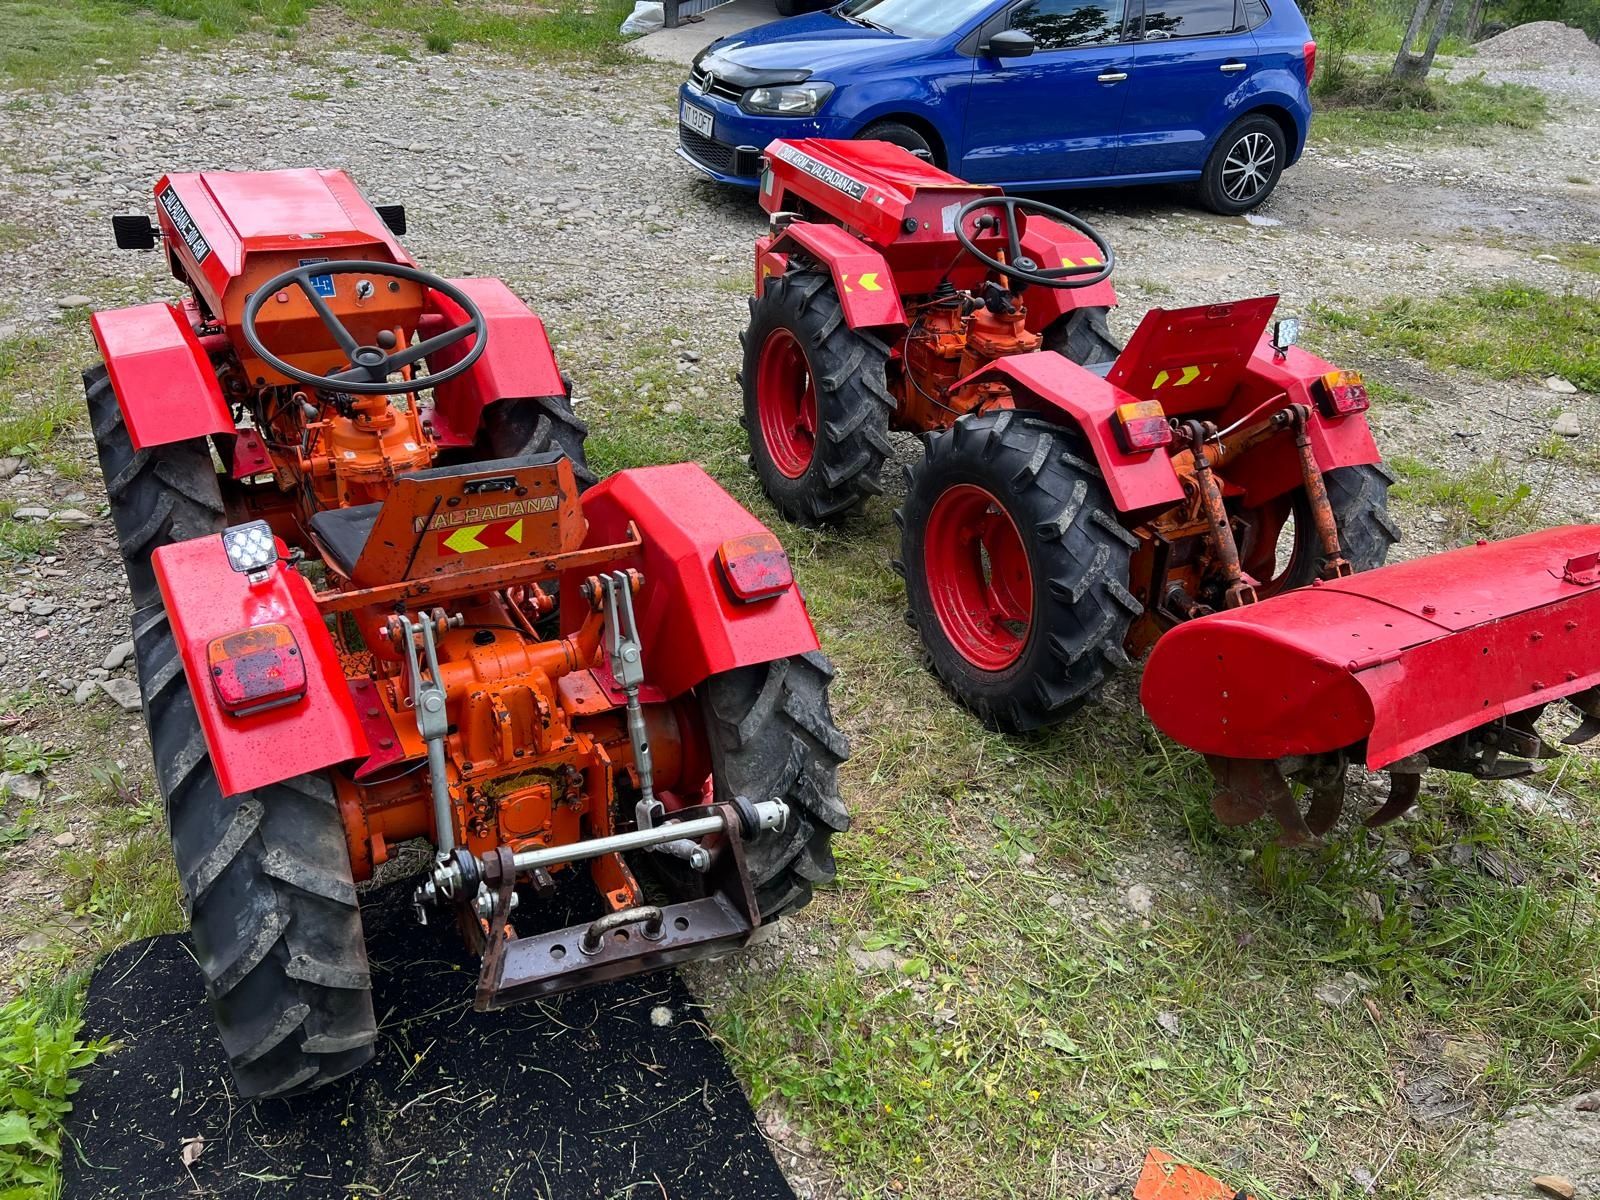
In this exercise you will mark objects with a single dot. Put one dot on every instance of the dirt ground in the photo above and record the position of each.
(565, 183)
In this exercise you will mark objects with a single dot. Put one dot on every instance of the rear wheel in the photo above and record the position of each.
(1244, 166)
(515, 428)
(1016, 569)
(816, 401)
(1084, 336)
(1283, 552)
(772, 736)
(269, 893)
(158, 496)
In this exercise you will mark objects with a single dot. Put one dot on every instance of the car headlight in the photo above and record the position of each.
(788, 100)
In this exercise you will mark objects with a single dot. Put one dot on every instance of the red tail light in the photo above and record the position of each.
(755, 567)
(256, 669)
(1311, 61)
(1143, 427)
(1344, 393)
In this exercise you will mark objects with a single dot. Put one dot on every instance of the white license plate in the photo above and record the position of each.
(697, 119)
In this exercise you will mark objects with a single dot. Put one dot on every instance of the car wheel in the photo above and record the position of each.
(897, 133)
(1244, 166)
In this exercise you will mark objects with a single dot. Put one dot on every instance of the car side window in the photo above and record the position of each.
(1064, 24)
(1190, 18)
(1255, 13)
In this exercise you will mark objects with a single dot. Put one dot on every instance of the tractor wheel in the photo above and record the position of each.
(158, 496)
(1016, 569)
(1286, 558)
(515, 428)
(772, 736)
(267, 886)
(816, 401)
(1083, 336)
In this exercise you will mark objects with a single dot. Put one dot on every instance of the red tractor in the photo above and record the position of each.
(373, 606)
(1075, 502)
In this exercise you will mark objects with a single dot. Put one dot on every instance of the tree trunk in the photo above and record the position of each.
(1475, 20)
(1405, 62)
(1446, 8)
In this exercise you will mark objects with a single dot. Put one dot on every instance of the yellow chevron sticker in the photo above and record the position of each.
(1067, 262)
(465, 540)
(515, 533)
(1190, 374)
(870, 282)
(1091, 261)
(1160, 381)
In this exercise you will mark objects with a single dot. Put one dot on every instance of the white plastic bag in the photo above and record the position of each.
(645, 18)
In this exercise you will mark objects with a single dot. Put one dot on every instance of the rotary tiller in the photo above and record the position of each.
(372, 606)
(1075, 502)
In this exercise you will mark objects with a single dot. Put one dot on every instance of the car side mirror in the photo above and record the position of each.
(1010, 43)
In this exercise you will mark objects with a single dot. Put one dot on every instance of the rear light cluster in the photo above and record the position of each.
(1344, 393)
(1311, 61)
(1143, 427)
(256, 669)
(755, 568)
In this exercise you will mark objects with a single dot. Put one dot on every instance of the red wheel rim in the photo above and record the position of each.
(979, 579)
(786, 404)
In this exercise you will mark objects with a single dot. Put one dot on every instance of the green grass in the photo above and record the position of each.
(1365, 106)
(1489, 500)
(569, 29)
(41, 394)
(1507, 332)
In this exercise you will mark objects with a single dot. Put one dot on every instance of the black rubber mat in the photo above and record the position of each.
(595, 1094)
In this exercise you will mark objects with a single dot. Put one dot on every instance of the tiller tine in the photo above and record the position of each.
(1405, 785)
(1250, 788)
(1587, 703)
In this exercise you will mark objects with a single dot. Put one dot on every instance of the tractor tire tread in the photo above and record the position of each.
(518, 427)
(1084, 336)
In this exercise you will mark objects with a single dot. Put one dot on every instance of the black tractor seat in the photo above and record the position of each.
(341, 533)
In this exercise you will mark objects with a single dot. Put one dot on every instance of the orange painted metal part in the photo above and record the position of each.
(1165, 1178)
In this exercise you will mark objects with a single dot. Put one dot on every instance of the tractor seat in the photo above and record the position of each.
(342, 533)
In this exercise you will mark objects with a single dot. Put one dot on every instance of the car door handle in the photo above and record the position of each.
(1112, 77)
(1228, 68)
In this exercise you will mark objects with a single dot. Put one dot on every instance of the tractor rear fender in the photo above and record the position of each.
(206, 599)
(862, 275)
(1402, 657)
(1274, 468)
(517, 362)
(691, 623)
(1057, 387)
(163, 378)
(1052, 244)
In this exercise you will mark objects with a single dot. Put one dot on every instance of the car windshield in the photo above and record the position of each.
(914, 18)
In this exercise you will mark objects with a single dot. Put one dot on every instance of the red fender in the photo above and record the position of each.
(1051, 244)
(1402, 657)
(690, 625)
(205, 599)
(862, 275)
(517, 362)
(1060, 387)
(162, 376)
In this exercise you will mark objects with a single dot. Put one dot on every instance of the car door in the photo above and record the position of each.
(1190, 60)
(1056, 114)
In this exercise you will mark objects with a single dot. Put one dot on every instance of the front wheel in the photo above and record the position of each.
(816, 401)
(772, 737)
(517, 428)
(1084, 336)
(1016, 569)
(1244, 166)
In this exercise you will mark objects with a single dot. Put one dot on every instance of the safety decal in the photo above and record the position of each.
(831, 176)
(469, 539)
(184, 224)
(867, 282)
(1185, 376)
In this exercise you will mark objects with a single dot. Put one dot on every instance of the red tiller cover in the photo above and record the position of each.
(1405, 656)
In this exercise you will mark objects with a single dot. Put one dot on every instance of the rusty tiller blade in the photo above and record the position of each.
(1404, 787)
(1244, 788)
(1588, 703)
(1327, 802)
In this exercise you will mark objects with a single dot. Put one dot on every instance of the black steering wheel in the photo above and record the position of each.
(1022, 269)
(370, 366)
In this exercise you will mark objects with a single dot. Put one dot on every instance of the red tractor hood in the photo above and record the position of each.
(1403, 657)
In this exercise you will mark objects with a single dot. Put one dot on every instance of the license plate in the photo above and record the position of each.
(697, 119)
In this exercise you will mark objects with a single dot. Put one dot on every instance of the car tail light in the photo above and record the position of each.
(1143, 427)
(1311, 61)
(256, 669)
(755, 567)
(1343, 394)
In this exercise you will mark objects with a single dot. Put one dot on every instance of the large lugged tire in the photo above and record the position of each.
(268, 890)
(158, 496)
(518, 427)
(1084, 336)
(772, 736)
(1359, 497)
(1016, 569)
(816, 401)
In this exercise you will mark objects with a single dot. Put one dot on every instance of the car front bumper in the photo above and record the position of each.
(732, 152)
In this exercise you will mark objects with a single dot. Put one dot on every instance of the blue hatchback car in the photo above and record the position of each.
(1029, 94)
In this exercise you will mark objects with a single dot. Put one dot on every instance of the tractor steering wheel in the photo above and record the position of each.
(370, 366)
(1022, 269)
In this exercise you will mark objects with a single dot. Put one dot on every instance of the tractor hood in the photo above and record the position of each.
(801, 48)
